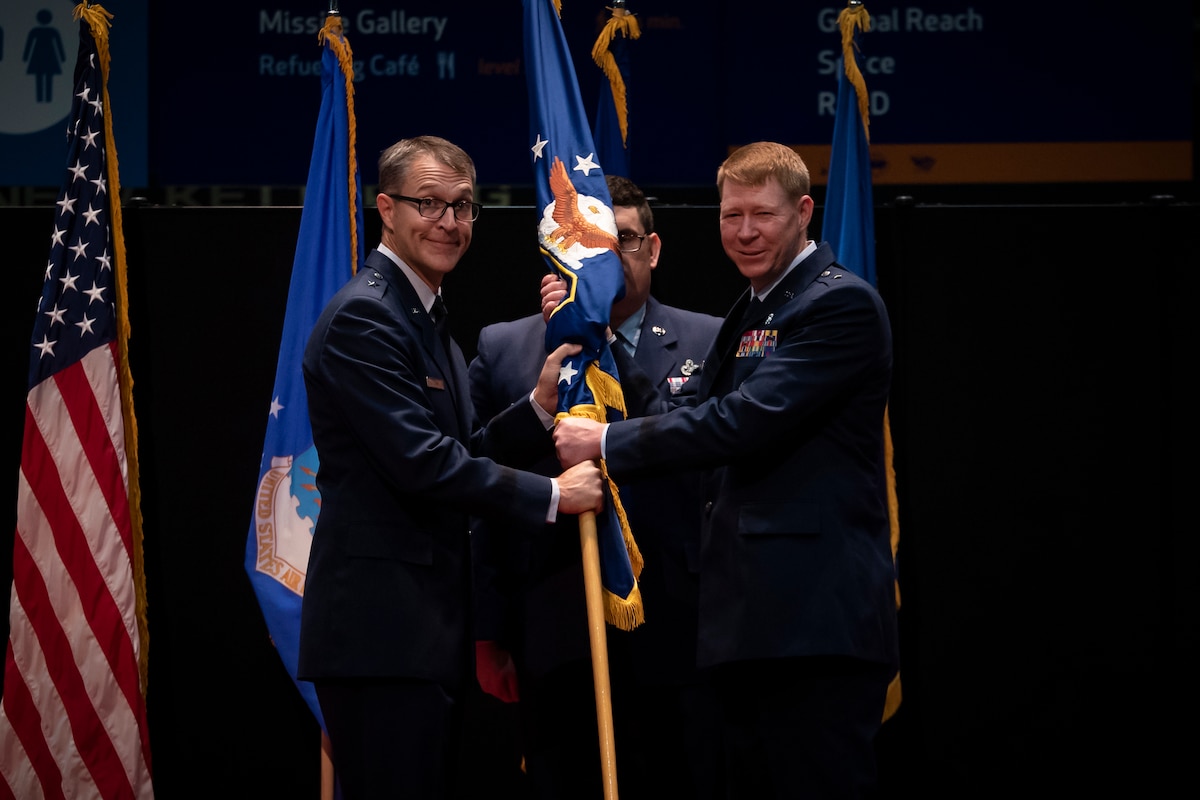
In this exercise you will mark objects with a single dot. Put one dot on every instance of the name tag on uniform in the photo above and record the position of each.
(757, 344)
(435, 383)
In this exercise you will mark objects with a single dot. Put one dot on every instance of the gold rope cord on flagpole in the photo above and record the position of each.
(331, 33)
(98, 20)
(626, 24)
(851, 17)
(894, 694)
(855, 16)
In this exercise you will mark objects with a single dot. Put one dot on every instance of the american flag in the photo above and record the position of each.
(73, 718)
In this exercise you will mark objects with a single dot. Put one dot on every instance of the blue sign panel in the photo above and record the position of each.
(39, 43)
(982, 91)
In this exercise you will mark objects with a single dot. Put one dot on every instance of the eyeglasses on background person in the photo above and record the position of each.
(630, 242)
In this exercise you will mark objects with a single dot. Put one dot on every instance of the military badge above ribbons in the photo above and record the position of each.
(577, 235)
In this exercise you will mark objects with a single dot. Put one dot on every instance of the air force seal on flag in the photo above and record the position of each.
(575, 227)
(285, 510)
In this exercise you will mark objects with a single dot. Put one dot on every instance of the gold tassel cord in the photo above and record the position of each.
(331, 33)
(626, 24)
(893, 499)
(894, 695)
(855, 17)
(99, 20)
(607, 392)
(850, 18)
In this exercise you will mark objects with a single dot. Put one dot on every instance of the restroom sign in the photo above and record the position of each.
(39, 43)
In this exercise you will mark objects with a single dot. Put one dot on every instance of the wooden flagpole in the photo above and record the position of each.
(594, 593)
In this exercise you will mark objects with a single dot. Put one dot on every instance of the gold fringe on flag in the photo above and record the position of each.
(626, 24)
(625, 613)
(851, 17)
(99, 20)
(331, 33)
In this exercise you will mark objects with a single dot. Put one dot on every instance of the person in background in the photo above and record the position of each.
(797, 620)
(533, 620)
(385, 623)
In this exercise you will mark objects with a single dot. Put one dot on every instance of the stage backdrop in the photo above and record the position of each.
(989, 92)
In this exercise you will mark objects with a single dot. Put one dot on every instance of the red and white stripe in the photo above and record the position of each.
(73, 718)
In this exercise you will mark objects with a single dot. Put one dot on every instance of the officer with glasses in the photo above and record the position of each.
(385, 631)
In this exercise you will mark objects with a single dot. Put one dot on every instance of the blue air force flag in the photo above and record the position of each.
(328, 251)
(849, 223)
(611, 54)
(577, 235)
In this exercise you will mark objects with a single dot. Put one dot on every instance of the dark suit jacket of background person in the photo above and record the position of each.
(388, 590)
(555, 628)
(531, 594)
(796, 559)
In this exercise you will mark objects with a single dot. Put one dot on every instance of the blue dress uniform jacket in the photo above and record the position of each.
(795, 552)
(388, 589)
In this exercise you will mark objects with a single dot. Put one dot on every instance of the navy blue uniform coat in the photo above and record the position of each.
(795, 552)
(388, 589)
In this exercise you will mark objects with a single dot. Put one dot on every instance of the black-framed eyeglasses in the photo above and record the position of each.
(432, 208)
(630, 242)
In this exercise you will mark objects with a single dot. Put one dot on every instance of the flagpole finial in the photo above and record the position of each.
(333, 9)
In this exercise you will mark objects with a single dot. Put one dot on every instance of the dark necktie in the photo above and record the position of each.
(753, 312)
(636, 387)
(732, 335)
(438, 314)
(624, 344)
